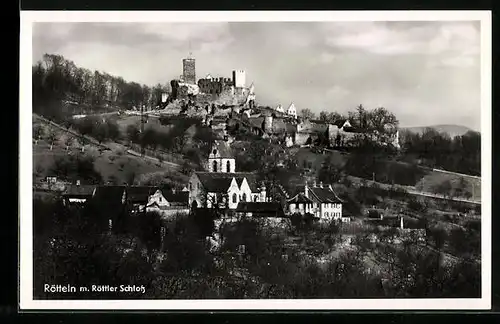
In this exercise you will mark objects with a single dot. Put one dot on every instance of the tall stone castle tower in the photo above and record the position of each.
(189, 70)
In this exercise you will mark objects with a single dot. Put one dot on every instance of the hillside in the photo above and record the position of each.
(113, 165)
(452, 130)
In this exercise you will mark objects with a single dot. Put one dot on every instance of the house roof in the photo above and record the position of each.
(324, 195)
(300, 198)
(138, 194)
(220, 182)
(177, 197)
(320, 195)
(340, 122)
(108, 198)
(79, 191)
(269, 208)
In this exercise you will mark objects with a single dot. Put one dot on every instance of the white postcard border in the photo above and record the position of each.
(25, 160)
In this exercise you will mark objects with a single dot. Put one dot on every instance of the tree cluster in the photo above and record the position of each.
(72, 168)
(460, 154)
(101, 130)
(56, 78)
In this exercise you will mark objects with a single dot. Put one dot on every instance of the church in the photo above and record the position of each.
(221, 185)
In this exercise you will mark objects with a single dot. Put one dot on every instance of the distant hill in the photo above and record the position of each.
(452, 130)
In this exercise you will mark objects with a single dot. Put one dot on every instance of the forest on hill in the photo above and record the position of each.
(57, 79)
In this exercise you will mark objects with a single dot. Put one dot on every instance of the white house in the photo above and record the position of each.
(292, 111)
(320, 201)
(78, 194)
(157, 201)
(170, 203)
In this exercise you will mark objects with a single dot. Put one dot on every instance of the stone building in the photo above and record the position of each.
(222, 186)
(189, 70)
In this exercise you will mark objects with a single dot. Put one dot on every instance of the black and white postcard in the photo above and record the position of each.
(255, 160)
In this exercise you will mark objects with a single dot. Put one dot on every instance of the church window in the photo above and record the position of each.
(228, 166)
(235, 198)
(215, 166)
(244, 197)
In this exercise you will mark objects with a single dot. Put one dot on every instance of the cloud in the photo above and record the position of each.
(387, 39)
(425, 72)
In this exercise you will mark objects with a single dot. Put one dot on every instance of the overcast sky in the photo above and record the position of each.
(427, 73)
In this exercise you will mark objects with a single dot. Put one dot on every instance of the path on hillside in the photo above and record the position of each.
(112, 146)
(421, 167)
(413, 191)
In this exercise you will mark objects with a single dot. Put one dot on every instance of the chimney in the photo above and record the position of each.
(77, 182)
(314, 184)
(173, 191)
(330, 187)
(306, 190)
(321, 184)
(402, 224)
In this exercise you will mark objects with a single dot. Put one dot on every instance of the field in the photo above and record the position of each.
(421, 179)
(316, 159)
(434, 178)
(110, 164)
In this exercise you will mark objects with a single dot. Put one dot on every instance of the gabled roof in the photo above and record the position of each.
(108, 198)
(264, 208)
(140, 194)
(300, 198)
(79, 191)
(177, 197)
(320, 195)
(220, 181)
(323, 195)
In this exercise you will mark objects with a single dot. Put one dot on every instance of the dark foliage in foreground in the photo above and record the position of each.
(72, 246)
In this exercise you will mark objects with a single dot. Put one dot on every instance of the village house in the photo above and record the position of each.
(169, 203)
(78, 194)
(137, 197)
(320, 201)
(292, 111)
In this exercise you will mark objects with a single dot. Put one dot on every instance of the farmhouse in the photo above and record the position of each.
(137, 197)
(321, 201)
(78, 194)
(170, 203)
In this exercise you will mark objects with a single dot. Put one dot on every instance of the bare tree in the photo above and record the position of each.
(38, 132)
(68, 142)
(51, 137)
(82, 142)
(307, 114)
